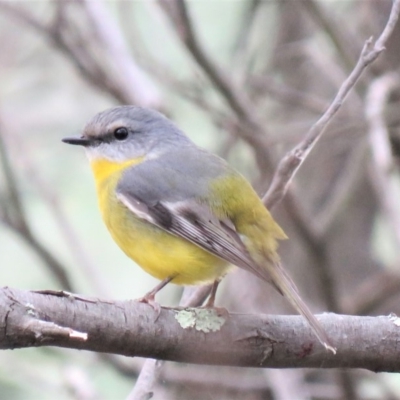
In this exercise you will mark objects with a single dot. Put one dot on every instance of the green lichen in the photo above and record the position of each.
(202, 319)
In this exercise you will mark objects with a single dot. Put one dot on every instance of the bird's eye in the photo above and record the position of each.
(121, 133)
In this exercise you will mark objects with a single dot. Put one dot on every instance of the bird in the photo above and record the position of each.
(181, 213)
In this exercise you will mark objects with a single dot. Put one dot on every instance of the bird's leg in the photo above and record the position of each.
(211, 299)
(150, 297)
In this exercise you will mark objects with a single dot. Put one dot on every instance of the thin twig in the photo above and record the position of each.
(291, 163)
(242, 56)
(151, 370)
(75, 244)
(343, 40)
(264, 85)
(178, 12)
(16, 214)
(79, 49)
(146, 381)
(134, 82)
(252, 129)
(18, 222)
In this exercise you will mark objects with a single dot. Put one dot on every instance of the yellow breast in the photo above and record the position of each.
(159, 253)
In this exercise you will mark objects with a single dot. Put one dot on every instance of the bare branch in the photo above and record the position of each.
(71, 238)
(132, 329)
(144, 387)
(179, 14)
(151, 370)
(290, 164)
(342, 39)
(17, 221)
(132, 79)
(252, 129)
(390, 25)
(264, 85)
(79, 49)
(17, 213)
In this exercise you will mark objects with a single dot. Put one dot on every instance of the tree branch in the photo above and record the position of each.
(343, 40)
(179, 15)
(17, 221)
(85, 51)
(148, 377)
(32, 319)
(253, 131)
(133, 81)
(291, 163)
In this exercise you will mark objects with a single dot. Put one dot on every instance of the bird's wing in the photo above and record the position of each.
(194, 222)
(160, 192)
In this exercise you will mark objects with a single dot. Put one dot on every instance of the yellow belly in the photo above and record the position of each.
(159, 253)
(163, 255)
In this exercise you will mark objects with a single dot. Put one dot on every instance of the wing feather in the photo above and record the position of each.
(195, 222)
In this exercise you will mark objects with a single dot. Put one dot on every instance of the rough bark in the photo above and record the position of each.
(32, 319)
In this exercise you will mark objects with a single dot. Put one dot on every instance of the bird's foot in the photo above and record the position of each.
(210, 303)
(149, 299)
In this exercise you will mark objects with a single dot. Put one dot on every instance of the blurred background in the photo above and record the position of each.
(245, 79)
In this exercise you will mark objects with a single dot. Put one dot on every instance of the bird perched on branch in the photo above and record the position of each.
(182, 214)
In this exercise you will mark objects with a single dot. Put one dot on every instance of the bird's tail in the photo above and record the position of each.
(286, 286)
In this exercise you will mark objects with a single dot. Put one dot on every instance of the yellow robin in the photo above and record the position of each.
(181, 213)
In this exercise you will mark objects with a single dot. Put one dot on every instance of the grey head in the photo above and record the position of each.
(128, 132)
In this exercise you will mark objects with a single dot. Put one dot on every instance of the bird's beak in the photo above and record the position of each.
(77, 140)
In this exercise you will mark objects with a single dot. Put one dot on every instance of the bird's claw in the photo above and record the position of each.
(150, 300)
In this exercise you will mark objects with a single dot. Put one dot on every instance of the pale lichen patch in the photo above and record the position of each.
(202, 319)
